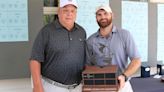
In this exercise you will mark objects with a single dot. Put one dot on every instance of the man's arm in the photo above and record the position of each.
(35, 68)
(131, 69)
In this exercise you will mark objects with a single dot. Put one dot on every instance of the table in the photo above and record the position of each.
(148, 84)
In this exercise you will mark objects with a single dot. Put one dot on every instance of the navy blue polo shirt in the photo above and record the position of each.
(61, 52)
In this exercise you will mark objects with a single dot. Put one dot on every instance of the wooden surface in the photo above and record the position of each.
(106, 69)
(90, 73)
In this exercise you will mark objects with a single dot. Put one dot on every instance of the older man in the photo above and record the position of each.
(58, 53)
(112, 45)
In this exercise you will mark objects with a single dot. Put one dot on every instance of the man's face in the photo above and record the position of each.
(67, 14)
(103, 18)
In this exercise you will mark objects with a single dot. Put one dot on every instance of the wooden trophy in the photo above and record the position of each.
(100, 79)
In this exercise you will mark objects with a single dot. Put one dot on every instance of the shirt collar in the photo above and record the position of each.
(114, 30)
(58, 25)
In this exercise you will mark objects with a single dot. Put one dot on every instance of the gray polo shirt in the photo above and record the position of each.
(61, 53)
(112, 50)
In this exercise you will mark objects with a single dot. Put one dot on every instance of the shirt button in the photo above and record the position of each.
(80, 39)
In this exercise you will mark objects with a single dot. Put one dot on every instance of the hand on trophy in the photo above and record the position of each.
(121, 80)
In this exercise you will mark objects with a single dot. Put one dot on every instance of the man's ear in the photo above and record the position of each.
(113, 16)
(58, 10)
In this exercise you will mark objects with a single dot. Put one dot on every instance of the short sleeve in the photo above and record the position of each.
(39, 45)
(131, 47)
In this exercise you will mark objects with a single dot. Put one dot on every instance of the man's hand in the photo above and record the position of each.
(121, 80)
(38, 89)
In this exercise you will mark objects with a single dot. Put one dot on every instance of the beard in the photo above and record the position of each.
(103, 23)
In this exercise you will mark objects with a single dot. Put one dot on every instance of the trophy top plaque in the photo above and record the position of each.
(96, 69)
